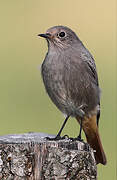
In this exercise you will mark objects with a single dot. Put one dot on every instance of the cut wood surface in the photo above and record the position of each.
(31, 157)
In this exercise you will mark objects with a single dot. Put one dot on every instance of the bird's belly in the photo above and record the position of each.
(70, 98)
(60, 95)
(56, 90)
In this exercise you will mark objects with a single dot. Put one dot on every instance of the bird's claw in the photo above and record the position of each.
(76, 139)
(57, 138)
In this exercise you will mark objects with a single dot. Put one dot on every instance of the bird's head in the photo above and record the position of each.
(60, 36)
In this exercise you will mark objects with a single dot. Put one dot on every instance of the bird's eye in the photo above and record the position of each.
(61, 34)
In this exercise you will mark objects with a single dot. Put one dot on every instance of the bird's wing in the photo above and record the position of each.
(90, 64)
(83, 72)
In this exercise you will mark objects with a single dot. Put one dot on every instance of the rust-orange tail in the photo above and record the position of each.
(90, 128)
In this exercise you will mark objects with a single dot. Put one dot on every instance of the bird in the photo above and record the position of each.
(70, 78)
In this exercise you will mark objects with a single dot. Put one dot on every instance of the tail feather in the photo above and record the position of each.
(91, 131)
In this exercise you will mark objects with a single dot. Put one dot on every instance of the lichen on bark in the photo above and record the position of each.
(31, 157)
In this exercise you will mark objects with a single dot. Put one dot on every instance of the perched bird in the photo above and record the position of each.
(70, 78)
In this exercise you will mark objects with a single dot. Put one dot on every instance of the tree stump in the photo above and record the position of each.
(31, 157)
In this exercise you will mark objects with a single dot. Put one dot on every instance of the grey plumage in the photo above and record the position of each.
(69, 73)
(70, 78)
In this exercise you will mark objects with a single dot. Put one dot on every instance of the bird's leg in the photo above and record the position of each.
(79, 136)
(59, 133)
(58, 137)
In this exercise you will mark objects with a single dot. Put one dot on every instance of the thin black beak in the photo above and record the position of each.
(47, 35)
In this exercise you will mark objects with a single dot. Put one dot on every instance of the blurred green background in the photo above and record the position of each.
(24, 105)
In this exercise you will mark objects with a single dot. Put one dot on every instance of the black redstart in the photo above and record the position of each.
(70, 78)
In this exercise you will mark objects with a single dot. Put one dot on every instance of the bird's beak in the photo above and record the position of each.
(47, 35)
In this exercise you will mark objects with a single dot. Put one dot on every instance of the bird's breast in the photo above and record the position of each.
(68, 84)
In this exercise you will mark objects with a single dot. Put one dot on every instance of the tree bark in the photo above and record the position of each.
(31, 157)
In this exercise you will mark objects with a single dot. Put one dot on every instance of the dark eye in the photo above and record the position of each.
(61, 34)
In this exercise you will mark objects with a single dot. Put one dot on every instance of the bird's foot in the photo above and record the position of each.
(79, 139)
(76, 139)
(57, 138)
